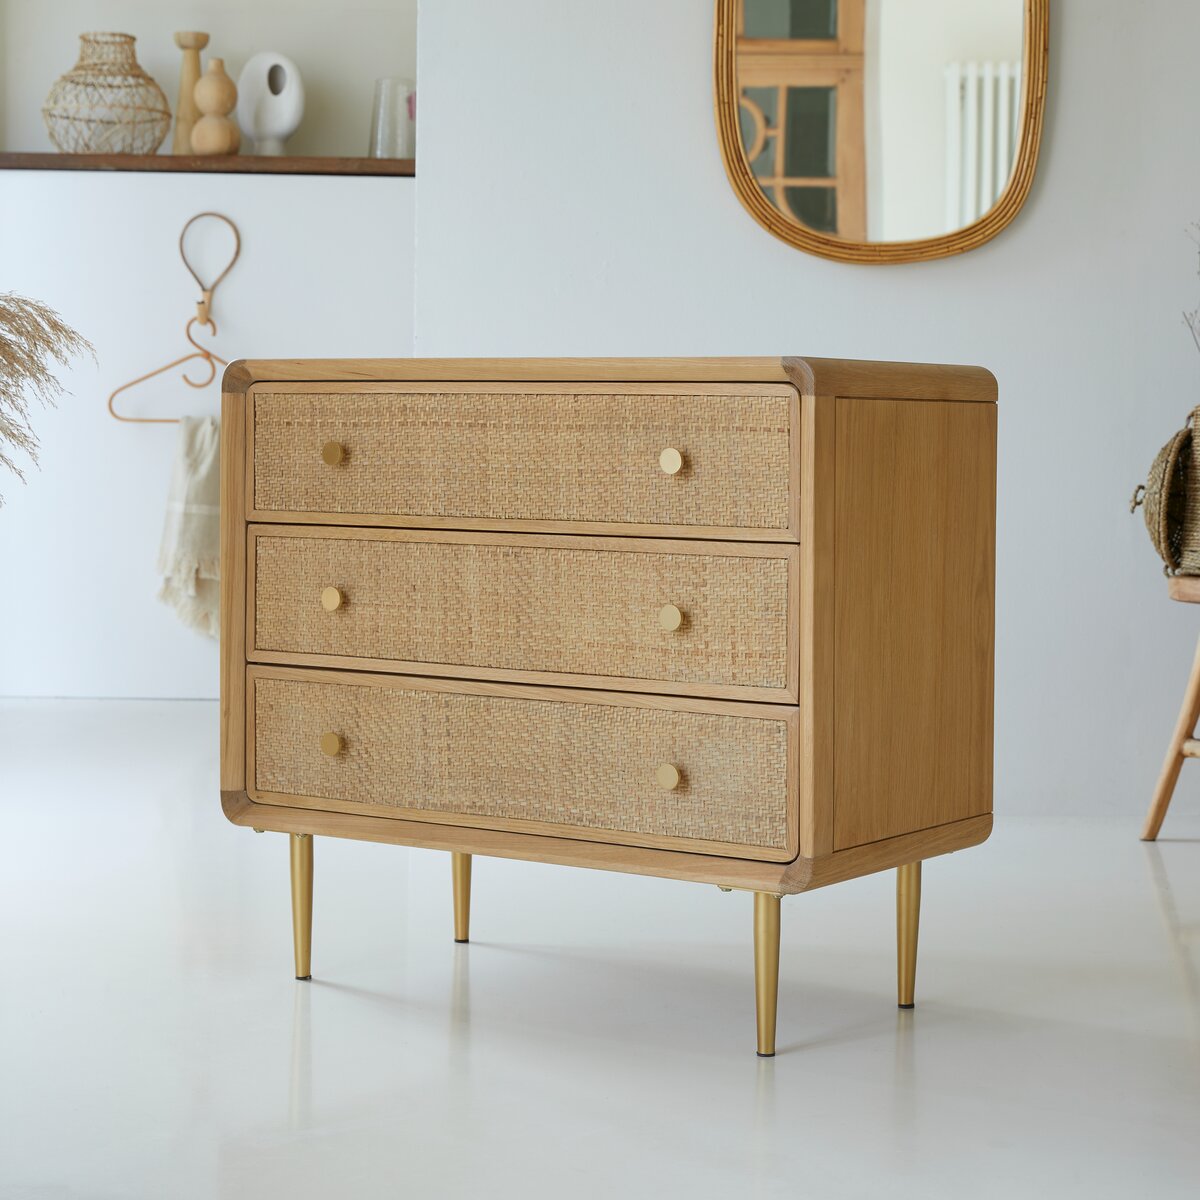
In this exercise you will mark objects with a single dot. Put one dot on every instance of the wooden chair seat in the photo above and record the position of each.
(1185, 588)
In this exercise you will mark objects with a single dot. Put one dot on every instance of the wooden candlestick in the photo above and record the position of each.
(216, 96)
(186, 112)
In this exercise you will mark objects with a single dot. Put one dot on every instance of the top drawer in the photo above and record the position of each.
(586, 457)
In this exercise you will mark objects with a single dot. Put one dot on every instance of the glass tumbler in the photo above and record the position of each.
(393, 119)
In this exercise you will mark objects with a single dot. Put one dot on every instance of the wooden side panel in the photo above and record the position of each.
(914, 616)
(233, 590)
(816, 625)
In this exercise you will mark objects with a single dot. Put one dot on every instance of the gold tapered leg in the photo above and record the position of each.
(460, 873)
(302, 883)
(908, 919)
(1185, 727)
(766, 969)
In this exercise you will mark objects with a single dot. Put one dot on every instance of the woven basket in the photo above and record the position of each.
(106, 103)
(1170, 499)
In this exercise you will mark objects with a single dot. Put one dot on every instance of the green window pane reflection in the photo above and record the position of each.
(811, 149)
(791, 18)
(816, 207)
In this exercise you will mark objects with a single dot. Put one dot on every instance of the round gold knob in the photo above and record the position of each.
(671, 461)
(667, 777)
(331, 744)
(332, 599)
(333, 453)
(670, 618)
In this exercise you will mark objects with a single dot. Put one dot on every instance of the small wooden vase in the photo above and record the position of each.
(216, 95)
(186, 112)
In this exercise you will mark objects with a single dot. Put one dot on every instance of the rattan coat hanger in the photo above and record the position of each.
(203, 317)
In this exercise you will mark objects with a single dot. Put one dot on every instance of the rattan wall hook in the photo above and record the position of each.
(203, 317)
(204, 304)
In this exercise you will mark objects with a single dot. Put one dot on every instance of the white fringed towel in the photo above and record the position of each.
(189, 557)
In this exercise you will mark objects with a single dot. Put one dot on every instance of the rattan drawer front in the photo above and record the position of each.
(527, 606)
(576, 764)
(568, 455)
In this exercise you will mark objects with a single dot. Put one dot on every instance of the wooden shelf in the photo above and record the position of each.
(238, 164)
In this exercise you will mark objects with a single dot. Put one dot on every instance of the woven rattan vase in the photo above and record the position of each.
(106, 103)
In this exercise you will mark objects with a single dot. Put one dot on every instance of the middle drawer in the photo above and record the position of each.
(688, 618)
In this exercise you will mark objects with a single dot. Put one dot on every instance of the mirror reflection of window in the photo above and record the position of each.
(791, 18)
(881, 120)
(800, 71)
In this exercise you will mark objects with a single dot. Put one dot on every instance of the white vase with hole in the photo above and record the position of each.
(270, 101)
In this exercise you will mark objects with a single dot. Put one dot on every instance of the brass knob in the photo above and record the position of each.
(331, 744)
(671, 461)
(332, 599)
(670, 618)
(333, 453)
(667, 777)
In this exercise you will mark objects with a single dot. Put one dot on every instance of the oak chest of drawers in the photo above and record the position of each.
(722, 620)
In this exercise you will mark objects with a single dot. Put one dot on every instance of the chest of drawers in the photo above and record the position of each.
(727, 621)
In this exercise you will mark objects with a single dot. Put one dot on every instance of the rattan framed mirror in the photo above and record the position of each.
(881, 131)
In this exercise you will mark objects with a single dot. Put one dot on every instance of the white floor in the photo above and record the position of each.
(595, 1039)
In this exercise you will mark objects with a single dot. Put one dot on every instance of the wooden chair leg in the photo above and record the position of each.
(908, 920)
(766, 969)
(1185, 727)
(460, 874)
(302, 893)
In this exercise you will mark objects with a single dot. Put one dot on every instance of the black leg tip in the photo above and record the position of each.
(762, 1055)
(906, 1006)
(461, 941)
(302, 978)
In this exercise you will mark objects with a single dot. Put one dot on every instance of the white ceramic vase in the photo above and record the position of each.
(270, 101)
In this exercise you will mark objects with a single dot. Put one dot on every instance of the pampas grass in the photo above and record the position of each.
(1191, 318)
(31, 336)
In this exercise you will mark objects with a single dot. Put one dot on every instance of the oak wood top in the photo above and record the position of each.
(812, 376)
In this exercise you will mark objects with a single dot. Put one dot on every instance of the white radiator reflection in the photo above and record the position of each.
(982, 110)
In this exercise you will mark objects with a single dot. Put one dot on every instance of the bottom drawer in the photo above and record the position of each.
(696, 775)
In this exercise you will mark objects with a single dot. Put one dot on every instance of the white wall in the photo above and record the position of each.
(909, 44)
(340, 48)
(573, 202)
(326, 269)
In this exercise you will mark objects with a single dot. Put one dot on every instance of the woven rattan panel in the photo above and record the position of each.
(512, 456)
(531, 608)
(586, 765)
